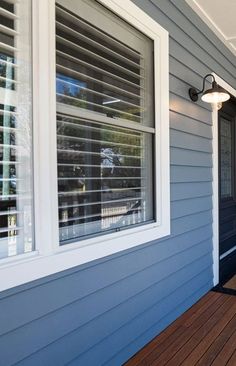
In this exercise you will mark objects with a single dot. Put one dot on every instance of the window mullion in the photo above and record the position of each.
(45, 159)
(87, 115)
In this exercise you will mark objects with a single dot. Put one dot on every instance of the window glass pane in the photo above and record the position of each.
(102, 179)
(105, 179)
(15, 129)
(226, 157)
(97, 72)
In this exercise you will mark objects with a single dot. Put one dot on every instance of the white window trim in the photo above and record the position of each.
(48, 257)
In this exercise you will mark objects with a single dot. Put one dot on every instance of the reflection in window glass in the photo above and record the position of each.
(15, 129)
(101, 177)
(105, 180)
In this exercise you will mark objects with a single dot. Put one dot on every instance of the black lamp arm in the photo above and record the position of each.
(193, 92)
(204, 82)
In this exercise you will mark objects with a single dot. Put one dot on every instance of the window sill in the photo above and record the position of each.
(28, 267)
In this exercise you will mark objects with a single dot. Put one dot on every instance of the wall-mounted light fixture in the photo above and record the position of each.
(216, 94)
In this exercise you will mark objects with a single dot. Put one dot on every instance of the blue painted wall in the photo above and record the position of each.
(103, 312)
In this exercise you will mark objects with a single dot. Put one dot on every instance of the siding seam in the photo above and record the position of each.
(190, 117)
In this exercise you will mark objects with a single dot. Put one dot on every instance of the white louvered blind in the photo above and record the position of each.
(15, 129)
(105, 124)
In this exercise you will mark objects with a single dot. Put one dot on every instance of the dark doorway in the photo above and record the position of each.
(227, 189)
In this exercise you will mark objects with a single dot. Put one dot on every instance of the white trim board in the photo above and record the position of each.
(215, 184)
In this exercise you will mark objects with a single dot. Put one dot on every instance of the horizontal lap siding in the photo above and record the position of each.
(102, 313)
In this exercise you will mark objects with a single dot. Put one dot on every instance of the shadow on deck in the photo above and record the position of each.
(204, 335)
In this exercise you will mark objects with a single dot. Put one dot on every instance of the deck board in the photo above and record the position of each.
(204, 335)
(231, 283)
(226, 352)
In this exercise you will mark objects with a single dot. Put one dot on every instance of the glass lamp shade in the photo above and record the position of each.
(216, 94)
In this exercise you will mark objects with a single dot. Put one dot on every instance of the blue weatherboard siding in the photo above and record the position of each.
(103, 312)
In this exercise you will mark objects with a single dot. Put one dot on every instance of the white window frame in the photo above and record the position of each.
(48, 257)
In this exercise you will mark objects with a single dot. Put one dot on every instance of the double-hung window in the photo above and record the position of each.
(95, 181)
(105, 122)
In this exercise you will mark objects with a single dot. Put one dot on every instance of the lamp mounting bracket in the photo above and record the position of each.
(193, 92)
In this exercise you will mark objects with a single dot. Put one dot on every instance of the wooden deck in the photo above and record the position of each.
(231, 284)
(204, 335)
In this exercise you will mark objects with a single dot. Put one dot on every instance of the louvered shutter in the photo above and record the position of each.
(15, 129)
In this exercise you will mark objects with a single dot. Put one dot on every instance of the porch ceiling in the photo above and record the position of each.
(220, 17)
